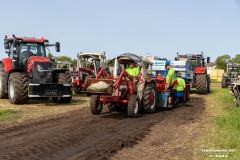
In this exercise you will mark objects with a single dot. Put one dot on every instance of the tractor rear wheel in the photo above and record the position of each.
(3, 82)
(201, 83)
(63, 78)
(95, 106)
(224, 82)
(133, 106)
(18, 88)
(209, 84)
(149, 98)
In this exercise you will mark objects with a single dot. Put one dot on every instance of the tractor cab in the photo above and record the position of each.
(128, 61)
(231, 74)
(20, 49)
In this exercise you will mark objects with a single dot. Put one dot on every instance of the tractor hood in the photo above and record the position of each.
(34, 59)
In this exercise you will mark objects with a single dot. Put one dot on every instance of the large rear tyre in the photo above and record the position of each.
(149, 99)
(201, 84)
(95, 106)
(3, 82)
(133, 106)
(18, 88)
(224, 82)
(209, 84)
(63, 78)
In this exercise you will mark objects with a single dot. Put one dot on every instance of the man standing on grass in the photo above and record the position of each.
(169, 80)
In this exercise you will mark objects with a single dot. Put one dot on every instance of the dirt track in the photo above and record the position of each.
(80, 135)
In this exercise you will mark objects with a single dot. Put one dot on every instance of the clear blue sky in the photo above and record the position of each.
(159, 27)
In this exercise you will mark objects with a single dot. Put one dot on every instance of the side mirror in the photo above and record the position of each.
(6, 43)
(208, 59)
(57, 47)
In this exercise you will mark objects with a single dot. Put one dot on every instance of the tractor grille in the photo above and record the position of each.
(74, 74)
(42, 72)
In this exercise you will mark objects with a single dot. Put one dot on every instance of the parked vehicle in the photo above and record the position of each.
(88, 65)
(27, 73)
(194, 71)
(140, 93)
(233, 70)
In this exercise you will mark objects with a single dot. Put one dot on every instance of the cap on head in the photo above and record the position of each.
(167, 65)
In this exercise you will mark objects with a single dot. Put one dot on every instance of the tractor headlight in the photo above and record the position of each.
(39, 68)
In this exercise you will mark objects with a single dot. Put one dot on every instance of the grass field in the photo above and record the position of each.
(222, 126)
(37, 109)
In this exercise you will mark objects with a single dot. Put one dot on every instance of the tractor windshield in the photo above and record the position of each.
(31, 49)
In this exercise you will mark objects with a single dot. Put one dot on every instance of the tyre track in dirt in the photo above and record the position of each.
(80, 135)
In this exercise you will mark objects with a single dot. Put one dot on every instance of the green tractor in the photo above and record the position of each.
(233, 69)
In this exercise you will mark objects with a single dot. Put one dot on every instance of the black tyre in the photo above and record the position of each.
(149, 99)
(133, 106)
(201, 84)
(209, 84)
(3, 83)
(95, 106)
(63, 78)
(18, 88)
(184, 98)
(224, 82)
(187, 91)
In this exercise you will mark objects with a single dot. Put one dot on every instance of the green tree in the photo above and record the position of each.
(50, 56)
(236, 59)
(64, 58)
(222, 61)
(110, 65)
(74, 63)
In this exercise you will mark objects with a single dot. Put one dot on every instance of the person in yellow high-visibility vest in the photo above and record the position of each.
(169, 81)
(132, 70)
(181, 83)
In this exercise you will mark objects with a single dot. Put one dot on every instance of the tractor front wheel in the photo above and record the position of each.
(224, 82)
(18, 88)
(95, 106)
(3, 82)
(133, 106)
(149, 99)
(201, 84)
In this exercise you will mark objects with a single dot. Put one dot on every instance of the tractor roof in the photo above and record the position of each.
(30, 39)
(190, 56)
(129, 57)
(92, 55)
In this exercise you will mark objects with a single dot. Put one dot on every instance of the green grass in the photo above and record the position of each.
(5, 114)
(225, 127)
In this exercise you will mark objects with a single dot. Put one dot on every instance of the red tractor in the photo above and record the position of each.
(88, 65)
(195, 71)
(27, 73)
(134, 93)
